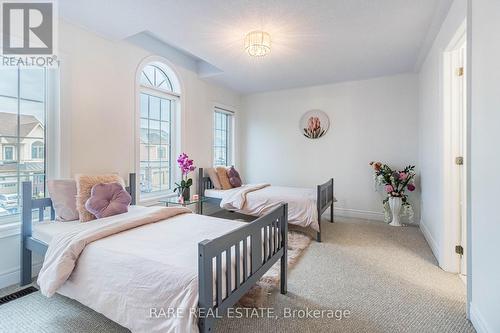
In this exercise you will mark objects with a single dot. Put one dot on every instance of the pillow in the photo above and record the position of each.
(223, 178)
(214, 178)
(84, 184)
(63, 195)
(107, 200)
(234, 177)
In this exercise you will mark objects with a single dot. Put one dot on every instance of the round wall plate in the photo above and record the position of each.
(314, 124)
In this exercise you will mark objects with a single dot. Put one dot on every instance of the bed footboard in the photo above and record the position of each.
(251, 250)
(324, 201)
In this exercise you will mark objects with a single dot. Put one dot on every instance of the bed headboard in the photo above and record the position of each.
(29, 204)
(204, 182)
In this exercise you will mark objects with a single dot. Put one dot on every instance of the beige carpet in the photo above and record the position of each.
(258, 294)
(385, 277)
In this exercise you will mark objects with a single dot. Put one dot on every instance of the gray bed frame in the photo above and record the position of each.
(262, 242)
(324, 197)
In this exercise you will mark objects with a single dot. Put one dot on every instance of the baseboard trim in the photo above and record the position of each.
(12, 277)
(430, 240)
(358, 213)
(478, 321)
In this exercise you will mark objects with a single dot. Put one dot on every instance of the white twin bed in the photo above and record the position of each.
(301, 202)
(130, 275)
(305, 205)
(153, 260)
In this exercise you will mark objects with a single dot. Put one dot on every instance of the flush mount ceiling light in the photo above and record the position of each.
(258, 43)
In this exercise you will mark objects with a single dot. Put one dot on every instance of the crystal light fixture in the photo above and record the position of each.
(258, 43)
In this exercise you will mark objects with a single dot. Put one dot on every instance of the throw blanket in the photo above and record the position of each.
(65, 248)
(261, 199)
(237, 197)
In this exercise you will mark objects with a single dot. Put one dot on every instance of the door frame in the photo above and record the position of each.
(452, 224)
(468, 69)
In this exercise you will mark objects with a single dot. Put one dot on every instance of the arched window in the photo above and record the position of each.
(37, 150)
(154, 77)
(159, 95)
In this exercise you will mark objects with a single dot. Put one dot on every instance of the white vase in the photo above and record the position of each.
(395, 204)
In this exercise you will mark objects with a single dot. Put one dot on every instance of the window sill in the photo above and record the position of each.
(10, 230)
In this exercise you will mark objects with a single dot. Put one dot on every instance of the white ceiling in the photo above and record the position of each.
(313, 41)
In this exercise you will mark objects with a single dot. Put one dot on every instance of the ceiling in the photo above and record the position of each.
(313, 41)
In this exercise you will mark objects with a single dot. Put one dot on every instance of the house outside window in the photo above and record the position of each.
(23, 94)
(162, 153)
(8, 153)
(37, 150)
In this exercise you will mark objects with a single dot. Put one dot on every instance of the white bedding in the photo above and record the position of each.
(301, 202)
(46, 230)
(154, 266)
(213, 193)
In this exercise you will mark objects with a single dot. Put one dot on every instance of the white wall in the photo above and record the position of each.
(98, 102)
(430, 134)
(485, 156)
(370, 120)
(97, 110)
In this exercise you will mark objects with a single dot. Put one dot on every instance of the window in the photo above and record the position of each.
(23, 94)
(37, 150)
(162, 152)
(8, 153)
(223, 137)
(158, 106)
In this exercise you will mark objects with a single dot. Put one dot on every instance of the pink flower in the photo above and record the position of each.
(389, 188)
(314, 124)
(376, 166)
(185, 164)
(403, 175)
(411, 187)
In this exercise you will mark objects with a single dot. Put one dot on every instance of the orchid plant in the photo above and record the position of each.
(186, 165)
(395, 185)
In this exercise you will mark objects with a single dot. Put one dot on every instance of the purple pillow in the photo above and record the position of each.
(108, 199)
(234, 177)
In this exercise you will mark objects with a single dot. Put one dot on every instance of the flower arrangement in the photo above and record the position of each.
(395, 185)
(314, 130)
(186, 165)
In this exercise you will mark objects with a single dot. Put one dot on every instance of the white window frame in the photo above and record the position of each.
(11, 226)
(177, 100)
(5, 153)
(35, 145)
(230, 150)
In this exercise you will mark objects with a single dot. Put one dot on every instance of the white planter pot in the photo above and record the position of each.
(395, 204)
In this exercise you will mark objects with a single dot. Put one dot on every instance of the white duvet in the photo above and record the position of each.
(145, 270)
(261, 199)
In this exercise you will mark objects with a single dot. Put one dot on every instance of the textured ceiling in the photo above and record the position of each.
(313, 41)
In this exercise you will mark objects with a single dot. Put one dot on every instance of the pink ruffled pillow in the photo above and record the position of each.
(108, 199)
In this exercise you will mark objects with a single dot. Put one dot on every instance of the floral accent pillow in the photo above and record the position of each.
(84, 184)
(108, 200)
(234, 177)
